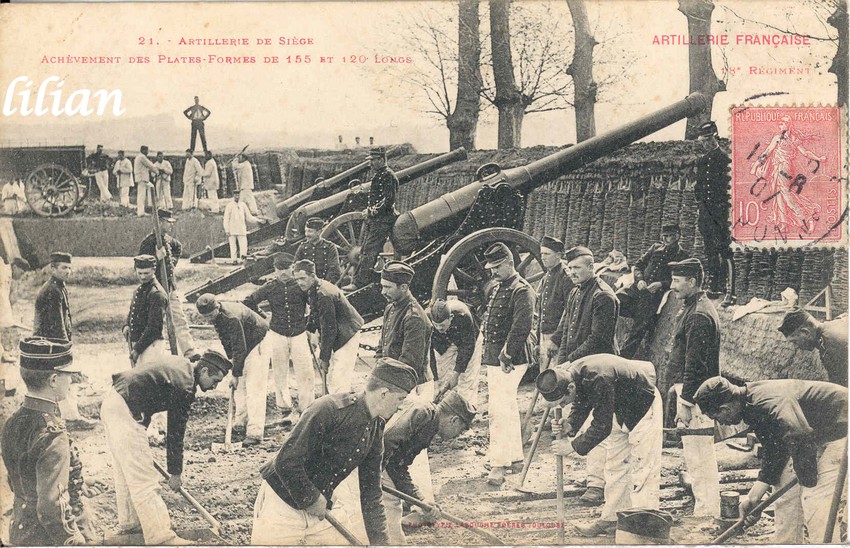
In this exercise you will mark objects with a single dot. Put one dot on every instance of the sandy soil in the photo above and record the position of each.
(226, 484)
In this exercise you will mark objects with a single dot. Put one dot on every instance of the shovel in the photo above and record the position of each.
(227, 446)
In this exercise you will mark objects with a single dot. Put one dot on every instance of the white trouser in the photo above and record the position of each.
(809, 506)
(467, 383)
(185, 342)
(341, 366)
(102, 180)
(250, 396)
(212, 196)
(595, 461)
(163, 194)
(142, 198)
(545, 344)
(701, 463)
(189, 197)
(633, 463)
(298, 350)
(137, 490)
(238, 246)
(394, 510)
(246, 196)
(124, 196)
(278, 524)
(505, 436)
(156, 350)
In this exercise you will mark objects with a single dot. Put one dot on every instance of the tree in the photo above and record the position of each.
(463, 121)
(508, 99)
(838, 20)
(581, 70)
(702, 76)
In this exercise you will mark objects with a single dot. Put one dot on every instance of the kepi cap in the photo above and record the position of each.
(552, 384)
(554, 244)
(144, 261)
(439, 311)
(459, 407)
(60, 257)
(378, 152)
(670, 228)
(316, 223)
(713, 393)
(689, 268)
(496, 254)
(707, 129)
(165, 215)
(794, 320)
(217, 360)
(305, 265)
(396, 373)
(45, 354)
(283, 260)
(576, 252)
(206, 303)
(397, 272)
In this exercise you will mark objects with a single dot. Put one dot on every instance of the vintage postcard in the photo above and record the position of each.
(438, 273)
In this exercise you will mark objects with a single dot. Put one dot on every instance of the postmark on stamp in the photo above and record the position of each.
(788, 188)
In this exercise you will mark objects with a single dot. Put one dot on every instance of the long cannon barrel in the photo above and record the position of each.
(443, 215)
(287, 206)
(329, 207)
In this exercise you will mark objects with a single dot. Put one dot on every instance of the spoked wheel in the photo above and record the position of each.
(346, 231)
(52, 190)
(462, 275)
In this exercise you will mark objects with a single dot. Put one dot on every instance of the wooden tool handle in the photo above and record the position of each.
(559, 479)
(349, 536)
(195, 504)
(732, 531)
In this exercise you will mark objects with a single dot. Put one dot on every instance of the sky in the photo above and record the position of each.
(292, 104)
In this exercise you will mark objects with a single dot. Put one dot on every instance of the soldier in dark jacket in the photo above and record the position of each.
(627, 420)
(590, 316)
(802, 426)
(53, 320)
(380, 217)
(337, 323)
(506, 327)
(287, 334)
(696, 352)
(167, 384)
(43, 467)
(641, 300)
(712, 194)
(456, 346)
(409, 433)
(337, 435)
(829, 338)
(587, 327)
(170, 252)
(555, 288)
(242, 333)
(323, 253)
(146, 319)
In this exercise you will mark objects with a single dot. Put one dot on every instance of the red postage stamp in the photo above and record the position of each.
(788, 186)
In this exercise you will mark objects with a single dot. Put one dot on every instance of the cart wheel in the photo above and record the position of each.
(52, 190)
(346, 232)
(462, 275)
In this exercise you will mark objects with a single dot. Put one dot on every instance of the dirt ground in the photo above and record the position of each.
(227, 484)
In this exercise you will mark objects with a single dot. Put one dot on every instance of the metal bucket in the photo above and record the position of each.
(643, 526)
(729, 501)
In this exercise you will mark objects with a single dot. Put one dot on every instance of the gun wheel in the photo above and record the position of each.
(461, 274)
(346, 232)
(52, 190)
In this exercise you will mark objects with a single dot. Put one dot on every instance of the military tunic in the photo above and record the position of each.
(335, 435)
(324, 255)
(173, 251)
(554, 290)
(507, 322)
(380, 218)
(832, 347)
(411, 434)
(288, 306)
(333, 317)
(712, 194)
(589, 321)
(147, 315)
(696, 344)
(44, 475)
(52, 311)
(240, 330)
(406, 336)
